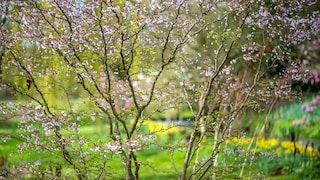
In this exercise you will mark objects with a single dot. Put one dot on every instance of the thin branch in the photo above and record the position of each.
(33, 82)
(190, 151)
(62, 142)
(46, 19)
(105, 49)
(65, 15)
(115, 13)
(77, 133)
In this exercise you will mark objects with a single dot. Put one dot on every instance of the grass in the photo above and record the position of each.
(273, 158)
(157, 162)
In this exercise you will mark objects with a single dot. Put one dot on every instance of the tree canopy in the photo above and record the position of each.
(130, 60)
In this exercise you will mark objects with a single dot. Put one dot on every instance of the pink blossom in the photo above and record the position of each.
(116, 148)
(299, 122)
(316, 45)
(304, 107)
(307, 108)
(127, 105)
(316, 78)
(118, 84)
(317, 100)
(116, 106)
(304, 118)
(103, 78)
(296, 123)
(103, 83)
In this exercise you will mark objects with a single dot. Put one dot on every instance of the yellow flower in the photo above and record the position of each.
(241, 141)
(268, 143)
(162, 129)
(290, 147)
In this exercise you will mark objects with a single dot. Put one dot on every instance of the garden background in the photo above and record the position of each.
(152, 89)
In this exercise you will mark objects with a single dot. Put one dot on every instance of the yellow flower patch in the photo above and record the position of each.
(290, 147)
(285, 146)
(241, 141)
(161, 128)
(267, 143)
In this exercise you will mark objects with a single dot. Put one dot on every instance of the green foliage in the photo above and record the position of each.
(157, 159)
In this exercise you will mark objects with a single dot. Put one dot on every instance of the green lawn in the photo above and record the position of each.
(273, 158)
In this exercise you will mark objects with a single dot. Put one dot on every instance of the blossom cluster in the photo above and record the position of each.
(140, 143)
(315, 78)
(308, 109)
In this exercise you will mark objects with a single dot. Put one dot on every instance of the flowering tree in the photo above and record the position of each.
(134, 58)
